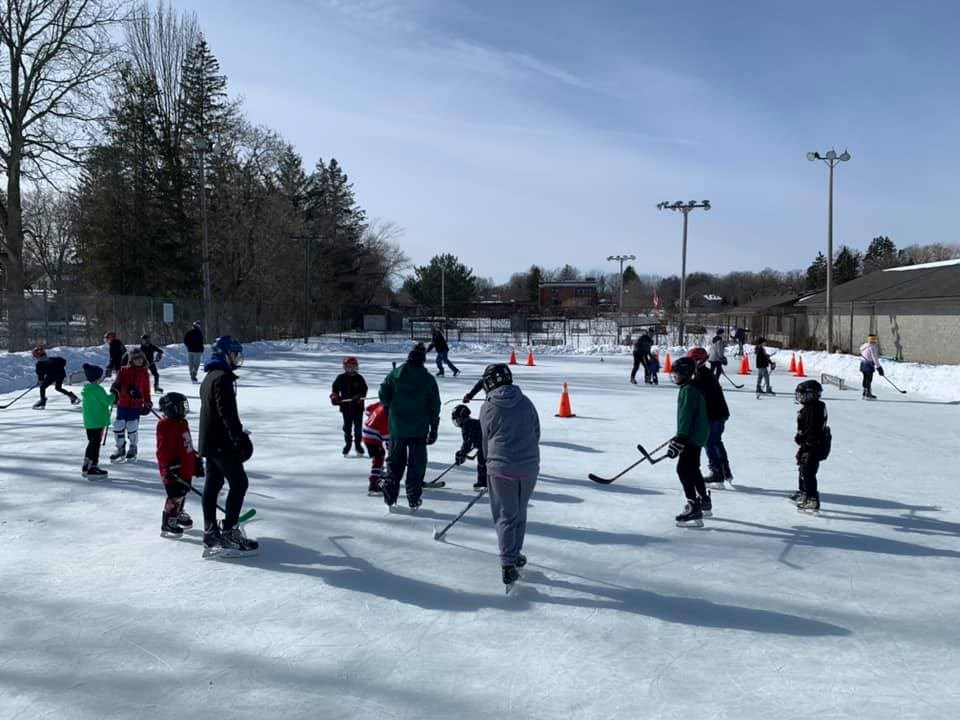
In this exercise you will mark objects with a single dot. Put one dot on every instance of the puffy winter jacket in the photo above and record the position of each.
(51, 369)
(132, 376)
(411, 396)
(708, 385)
(717, 346)
(763, 357)
(870, 353)
(221, 432)
(376, 428)
(439, 342)
(175, 447)
(193, 340)
(350, 391)
(511, 430)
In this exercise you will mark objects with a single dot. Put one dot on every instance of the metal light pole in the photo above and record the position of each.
(622, 259)
(831, 159)
(203, 145)
(685, 208)
(307, 319)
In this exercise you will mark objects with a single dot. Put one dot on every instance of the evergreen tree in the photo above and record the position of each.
(817, 273)
(459, 285)
(846, 265)
(534, 278)
(881, 253)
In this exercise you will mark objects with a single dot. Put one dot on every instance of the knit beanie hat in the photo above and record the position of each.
(92, 372)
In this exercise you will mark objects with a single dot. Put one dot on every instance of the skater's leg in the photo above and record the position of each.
(358, 429)
(92, 453)
(636, 366)
(156, 375)
(347, 427)
(236, 478)
(416, 468)
(688, 470)
(212, 484)
(396, 465)
(377, 455)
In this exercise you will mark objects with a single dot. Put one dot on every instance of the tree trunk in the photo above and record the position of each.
(16, 306)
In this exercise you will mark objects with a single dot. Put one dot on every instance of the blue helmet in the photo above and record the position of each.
(228, 348)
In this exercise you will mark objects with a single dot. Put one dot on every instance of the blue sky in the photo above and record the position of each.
(512, 133)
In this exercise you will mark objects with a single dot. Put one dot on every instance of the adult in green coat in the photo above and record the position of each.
(409, 393)
(97, 404)
(693, 429)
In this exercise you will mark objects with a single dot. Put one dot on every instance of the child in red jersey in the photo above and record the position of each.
(177, 461)
(376, 434)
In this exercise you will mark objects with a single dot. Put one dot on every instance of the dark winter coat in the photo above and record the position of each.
(51, 369)
(193, 340)
(811, 426)
(643, 346)
(221, 432)
(740, 335)
(709, 386)
(472, 436)
(692, 424)
(438, 342)
(763, 357)
(410, 395)
(151, 352)
(350, 391)
(117, 351)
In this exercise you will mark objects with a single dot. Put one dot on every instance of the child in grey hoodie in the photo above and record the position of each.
(511, 446)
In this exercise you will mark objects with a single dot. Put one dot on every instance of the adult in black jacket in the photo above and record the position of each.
(153, 354)
(226, 447)
(439, 343)
(117, 352)
(717, 415)
(193, 340)
(641, 356)
(50, 371)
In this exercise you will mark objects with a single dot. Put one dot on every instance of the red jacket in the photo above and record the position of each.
(175, 447)
(131, 376)
(376, 428)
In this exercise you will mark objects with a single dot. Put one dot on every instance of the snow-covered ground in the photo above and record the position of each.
(348, 612)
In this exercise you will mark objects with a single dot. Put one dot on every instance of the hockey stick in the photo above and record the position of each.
(5, 406)
(242, 519)
(646, 455)
(428, 483)
(437, 535)
(903, 392)
(607, 481)
(724, 373)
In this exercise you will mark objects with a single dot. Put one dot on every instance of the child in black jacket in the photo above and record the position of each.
(153, 355)
(349, 392)
(813, 437)
(472, 440)
(50, 371)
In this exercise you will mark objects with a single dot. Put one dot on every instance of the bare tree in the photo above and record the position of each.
(53, 56)
(49, 241)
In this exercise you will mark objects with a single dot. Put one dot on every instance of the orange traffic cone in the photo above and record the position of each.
(513, 356)
(667, 365)
(793, 364)
(800, 367)
(744, 366)
(530, 358)
(565, 411)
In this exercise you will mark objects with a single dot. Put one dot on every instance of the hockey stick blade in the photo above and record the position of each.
(248, 515)
(902, 392)
(738, 387)
(648, 458)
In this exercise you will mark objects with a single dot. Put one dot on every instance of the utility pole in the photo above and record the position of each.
(622, 259)
(203, 145)
(308, 241)
(685, 208)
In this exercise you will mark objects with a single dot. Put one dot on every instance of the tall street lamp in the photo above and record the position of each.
(308, 241)
(622, 259)
(831, 159)
(203, 146)
(685, 208)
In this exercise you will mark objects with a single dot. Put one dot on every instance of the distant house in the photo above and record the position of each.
(568, 294)
(774, 317)
(915, 311)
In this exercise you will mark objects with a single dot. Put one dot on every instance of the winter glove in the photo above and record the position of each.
(773, 366)
(880, 370)
(244, 447)
(459, 457)
(798, 439)
(147, 407)
(134, 393)
(334, 399)
(198, 467)
(675, 448)
(432, 437)
(467, 398)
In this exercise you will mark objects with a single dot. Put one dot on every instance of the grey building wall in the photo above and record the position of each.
(913, 331)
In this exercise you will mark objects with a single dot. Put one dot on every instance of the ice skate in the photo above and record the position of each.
(74, 400)
(39, 404)
(509, 574)
(478, 486)
(132, 453)
(691, 516)
(414, 504)
(706, 505)
(359, 451)
(373, 489)
(810, 504)
(119, 455)
(346, 450)
(521, 560)
(95, 472)
(169, 527)
(796, 497)
(184, 520)
(235, 544)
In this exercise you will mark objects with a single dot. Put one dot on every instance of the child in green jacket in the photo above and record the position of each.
(693, 429)
(97, 404)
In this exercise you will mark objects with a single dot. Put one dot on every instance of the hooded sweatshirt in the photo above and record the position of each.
(511, 432)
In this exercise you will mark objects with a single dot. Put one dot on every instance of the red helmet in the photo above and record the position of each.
(698, 355)
(109, 336)
(39, 352)
(350, 360)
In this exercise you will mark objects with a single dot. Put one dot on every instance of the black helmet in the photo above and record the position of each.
(174, 405)
(683, 370)
(459, 414)
(145, 337)
(496, 375)
(808, 391)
